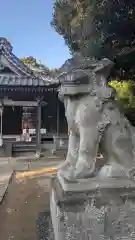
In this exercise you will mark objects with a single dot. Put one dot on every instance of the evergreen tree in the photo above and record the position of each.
(99, 28)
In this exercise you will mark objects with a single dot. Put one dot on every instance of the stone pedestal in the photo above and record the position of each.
(92, 209)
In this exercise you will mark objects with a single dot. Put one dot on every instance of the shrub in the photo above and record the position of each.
(124, 93)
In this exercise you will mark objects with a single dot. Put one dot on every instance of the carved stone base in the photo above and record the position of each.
(106, 211)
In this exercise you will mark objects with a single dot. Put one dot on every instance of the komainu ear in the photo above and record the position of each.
(105, 65)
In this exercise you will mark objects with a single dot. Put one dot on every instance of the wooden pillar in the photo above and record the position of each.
(58, 117)
(38, 129)
(1, 124)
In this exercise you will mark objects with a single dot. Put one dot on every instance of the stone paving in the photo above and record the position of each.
(10, 165)
(5, 176)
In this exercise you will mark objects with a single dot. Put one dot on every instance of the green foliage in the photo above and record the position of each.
(99, 28)
(28, 60)
(124, 93)
(87, 24)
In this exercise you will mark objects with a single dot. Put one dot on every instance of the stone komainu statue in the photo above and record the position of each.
(94, 120)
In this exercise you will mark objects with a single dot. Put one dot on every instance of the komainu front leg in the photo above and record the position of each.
(72, 154)
(89, 142)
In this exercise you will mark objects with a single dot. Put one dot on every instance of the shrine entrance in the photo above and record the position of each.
(12, 120)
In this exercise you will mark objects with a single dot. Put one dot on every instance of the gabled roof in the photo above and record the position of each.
(8, 59)
(6, 52)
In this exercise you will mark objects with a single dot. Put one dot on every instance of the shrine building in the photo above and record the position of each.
(29, 105)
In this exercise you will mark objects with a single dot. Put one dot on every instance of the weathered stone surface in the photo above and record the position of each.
(92, 201)
(94, 122)
(90, 184)
(99, 214)
(57, 218)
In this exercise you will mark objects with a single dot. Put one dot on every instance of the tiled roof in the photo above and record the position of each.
(21, 81)
(31, 77)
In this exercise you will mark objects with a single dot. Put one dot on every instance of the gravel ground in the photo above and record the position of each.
(23, 207)
(44, 226)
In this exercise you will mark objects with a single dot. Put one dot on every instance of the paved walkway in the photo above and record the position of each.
(5, 176)
(25, 166)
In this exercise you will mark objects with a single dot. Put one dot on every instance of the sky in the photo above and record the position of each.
(26, 24)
